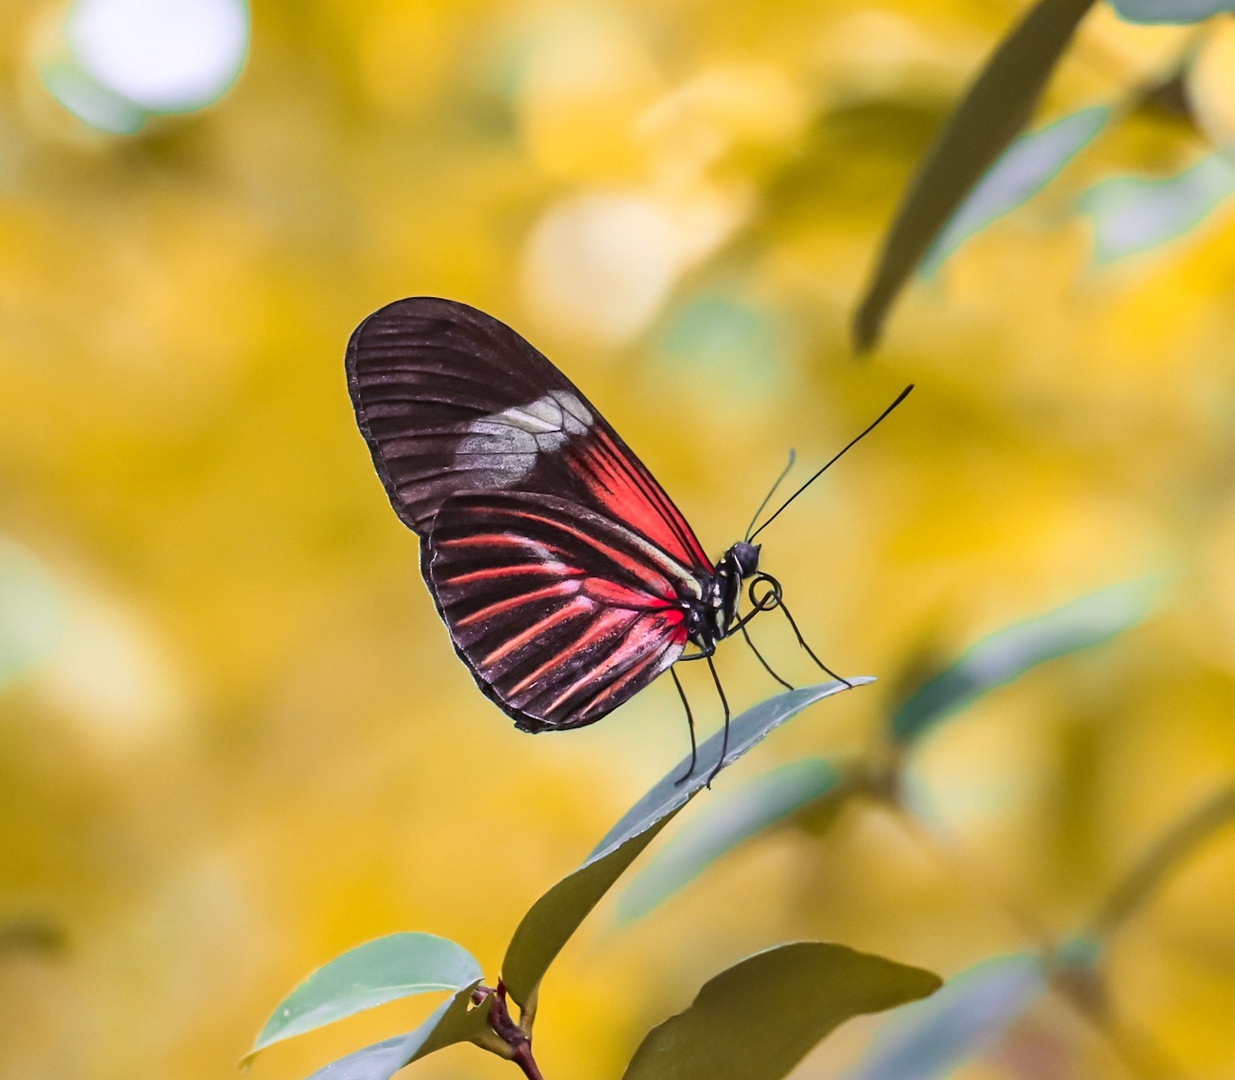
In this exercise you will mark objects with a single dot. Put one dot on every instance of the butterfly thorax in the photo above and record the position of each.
(713, 615)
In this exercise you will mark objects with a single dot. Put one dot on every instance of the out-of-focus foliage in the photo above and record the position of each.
(734, 817)
(824, 787)
(1020, 173)
(993, 111)
(243, 744)
(974, 1009)
(1131, 214)
(1170, 11)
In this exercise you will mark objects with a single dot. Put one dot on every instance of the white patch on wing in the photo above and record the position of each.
(502, 447)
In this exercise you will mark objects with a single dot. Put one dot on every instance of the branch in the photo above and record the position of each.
(1158, 862)
(513, 1035)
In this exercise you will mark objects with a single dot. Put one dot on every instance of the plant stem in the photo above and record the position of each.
(1157, 863)
(1084, 987)
(947, 852)
(514, 1036)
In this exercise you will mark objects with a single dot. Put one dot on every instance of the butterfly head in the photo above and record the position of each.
(745, 557)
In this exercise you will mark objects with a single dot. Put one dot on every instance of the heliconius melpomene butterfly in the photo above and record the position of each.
(566, 576)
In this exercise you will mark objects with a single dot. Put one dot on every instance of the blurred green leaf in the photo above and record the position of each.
(732, 818)
(30, 615)
(1019, 174)
(32, 934)
(995, 109)
(552, 920)
(453, 1021)
(759, 1018)
(1162, 858)
(1004, 655)
(932, 1038)
(392, 967)
(90, 101)
(1131, 214)
(1169, 11)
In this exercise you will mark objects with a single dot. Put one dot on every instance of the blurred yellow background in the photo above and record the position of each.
(234, 739)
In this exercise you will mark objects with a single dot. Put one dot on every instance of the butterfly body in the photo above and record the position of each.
(567, 578)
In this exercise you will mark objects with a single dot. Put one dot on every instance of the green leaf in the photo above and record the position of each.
(1131, 214)
(731, 819)
(1019, 174)
(759, 1018)
(552, 920)
(1169, 11)
(31, 621)
(745, 731)
(1003, 656)
(391, 967)
(935, 1037)
(454, 1021)
(994, 110)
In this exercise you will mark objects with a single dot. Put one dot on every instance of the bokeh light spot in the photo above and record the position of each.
(162, 55)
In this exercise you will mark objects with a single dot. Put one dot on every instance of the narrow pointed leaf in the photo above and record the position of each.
(745, 731)
(1019, 174)
(454, 1021)
(1003, 656)
(391, 967)
(727, 822)
(552, 920)
(992, 113)
(1131, 214)
(931, 1039)
(1170, 11)
(759, 1018)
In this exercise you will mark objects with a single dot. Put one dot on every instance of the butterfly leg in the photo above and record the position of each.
(724, 744)
(759, 656)
(809, 651)
(690, 723)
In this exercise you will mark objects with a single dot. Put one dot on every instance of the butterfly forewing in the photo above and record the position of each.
(451, 400)
(557, 562)
(563, 613)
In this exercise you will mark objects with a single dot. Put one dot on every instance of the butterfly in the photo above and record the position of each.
(566, 576)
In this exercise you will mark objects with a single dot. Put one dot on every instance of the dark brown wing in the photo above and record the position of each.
(451, 400)
(559, 613)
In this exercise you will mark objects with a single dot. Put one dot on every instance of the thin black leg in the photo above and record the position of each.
(724, 743)
(690, 723)
(767, 667)
(810, 652)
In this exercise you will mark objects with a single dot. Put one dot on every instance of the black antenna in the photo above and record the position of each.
(878, 420)
(768, 496)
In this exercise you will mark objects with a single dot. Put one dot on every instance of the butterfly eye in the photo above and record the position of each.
(747, 557)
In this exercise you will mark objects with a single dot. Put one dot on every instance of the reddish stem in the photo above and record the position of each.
(508, 1031)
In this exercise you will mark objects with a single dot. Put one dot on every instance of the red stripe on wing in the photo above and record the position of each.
(627, 491)
(578, 606)
(659, 660)
(562, 588)
(645, 640)
(500, 572)
(605, 624)
(571, 635)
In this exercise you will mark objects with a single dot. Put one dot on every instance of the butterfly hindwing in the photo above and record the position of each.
(559, 613)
